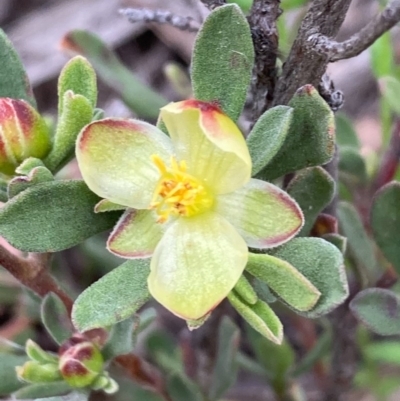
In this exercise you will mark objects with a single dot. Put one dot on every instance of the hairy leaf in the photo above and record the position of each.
(313, 189)
(385, 222)
(30, 220)
(379, 310)
(322, 264)
(311, 138)
(268, 135)
(223, 60)
(139, 97)
(13, 79)
(113, 298)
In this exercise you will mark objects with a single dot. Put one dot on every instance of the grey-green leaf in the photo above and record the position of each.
(122, 338)
(313, 189)
(223, 60)
(181, 388)
(268, 135)
(352, 167)
(30, 220)
(346, 135)
(77, 112)
(311, 138)
(55, 318)
(14, 82)
(79, 77)
(225, 368)
(138, 96)
(385, 222)
(379, 310)
(259, 316)
(9, 381)
(282, 278)
(39, 390)
(358, 242)
(322, 264)
(113, 298)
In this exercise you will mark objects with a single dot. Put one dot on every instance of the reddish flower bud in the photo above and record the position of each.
(80, 363)
(23, 134)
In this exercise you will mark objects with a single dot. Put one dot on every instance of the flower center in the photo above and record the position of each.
(178, 193)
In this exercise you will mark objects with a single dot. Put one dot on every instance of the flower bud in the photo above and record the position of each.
(35, 372)
(80, 363)
(23, 134)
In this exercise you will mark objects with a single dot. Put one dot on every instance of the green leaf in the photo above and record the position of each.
(225, 368)
(223, 59)
(244, 289)
(37, 175)
(322, 347)
(77, 112)
(122, 338)
(30, 220)
(79, 77)
(383, 352)
(181, 388)
(359, 244)
(276, 359)
(382, 57)
(338, 240)
(268, 135)
(322, 264)
(390, 90)
(284, 280)
(115, 297)
(346, 135)
(259, 316)
(55, 318)
(14, 82)
(313, 189)
(379, 310)
(385, 222)
(352, 167)
(138, 96)
(9, 381)
(311, 138)
(56, 391)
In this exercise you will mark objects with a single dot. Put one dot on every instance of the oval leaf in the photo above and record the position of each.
(268, 135)
(115, 297)
(378, 309)
(30, 220)
(284, 280)
(311, 138)
(322, 264)
(385, 222)
(313, 189)
(55, 318)
(79, 77)
(222, 57)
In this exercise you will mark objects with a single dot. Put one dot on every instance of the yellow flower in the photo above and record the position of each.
(191, 204)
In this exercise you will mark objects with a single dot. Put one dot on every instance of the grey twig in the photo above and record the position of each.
(262, 20)
(211, 4)
(304, 64)
(160, 17)
(363, 39)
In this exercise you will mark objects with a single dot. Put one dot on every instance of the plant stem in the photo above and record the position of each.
(32, 273)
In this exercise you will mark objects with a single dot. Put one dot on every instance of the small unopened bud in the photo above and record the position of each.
(80, 362)
(38, 355)
(35, 372)
(23, 134)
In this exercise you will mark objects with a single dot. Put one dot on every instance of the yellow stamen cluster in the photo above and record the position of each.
(177, 192)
